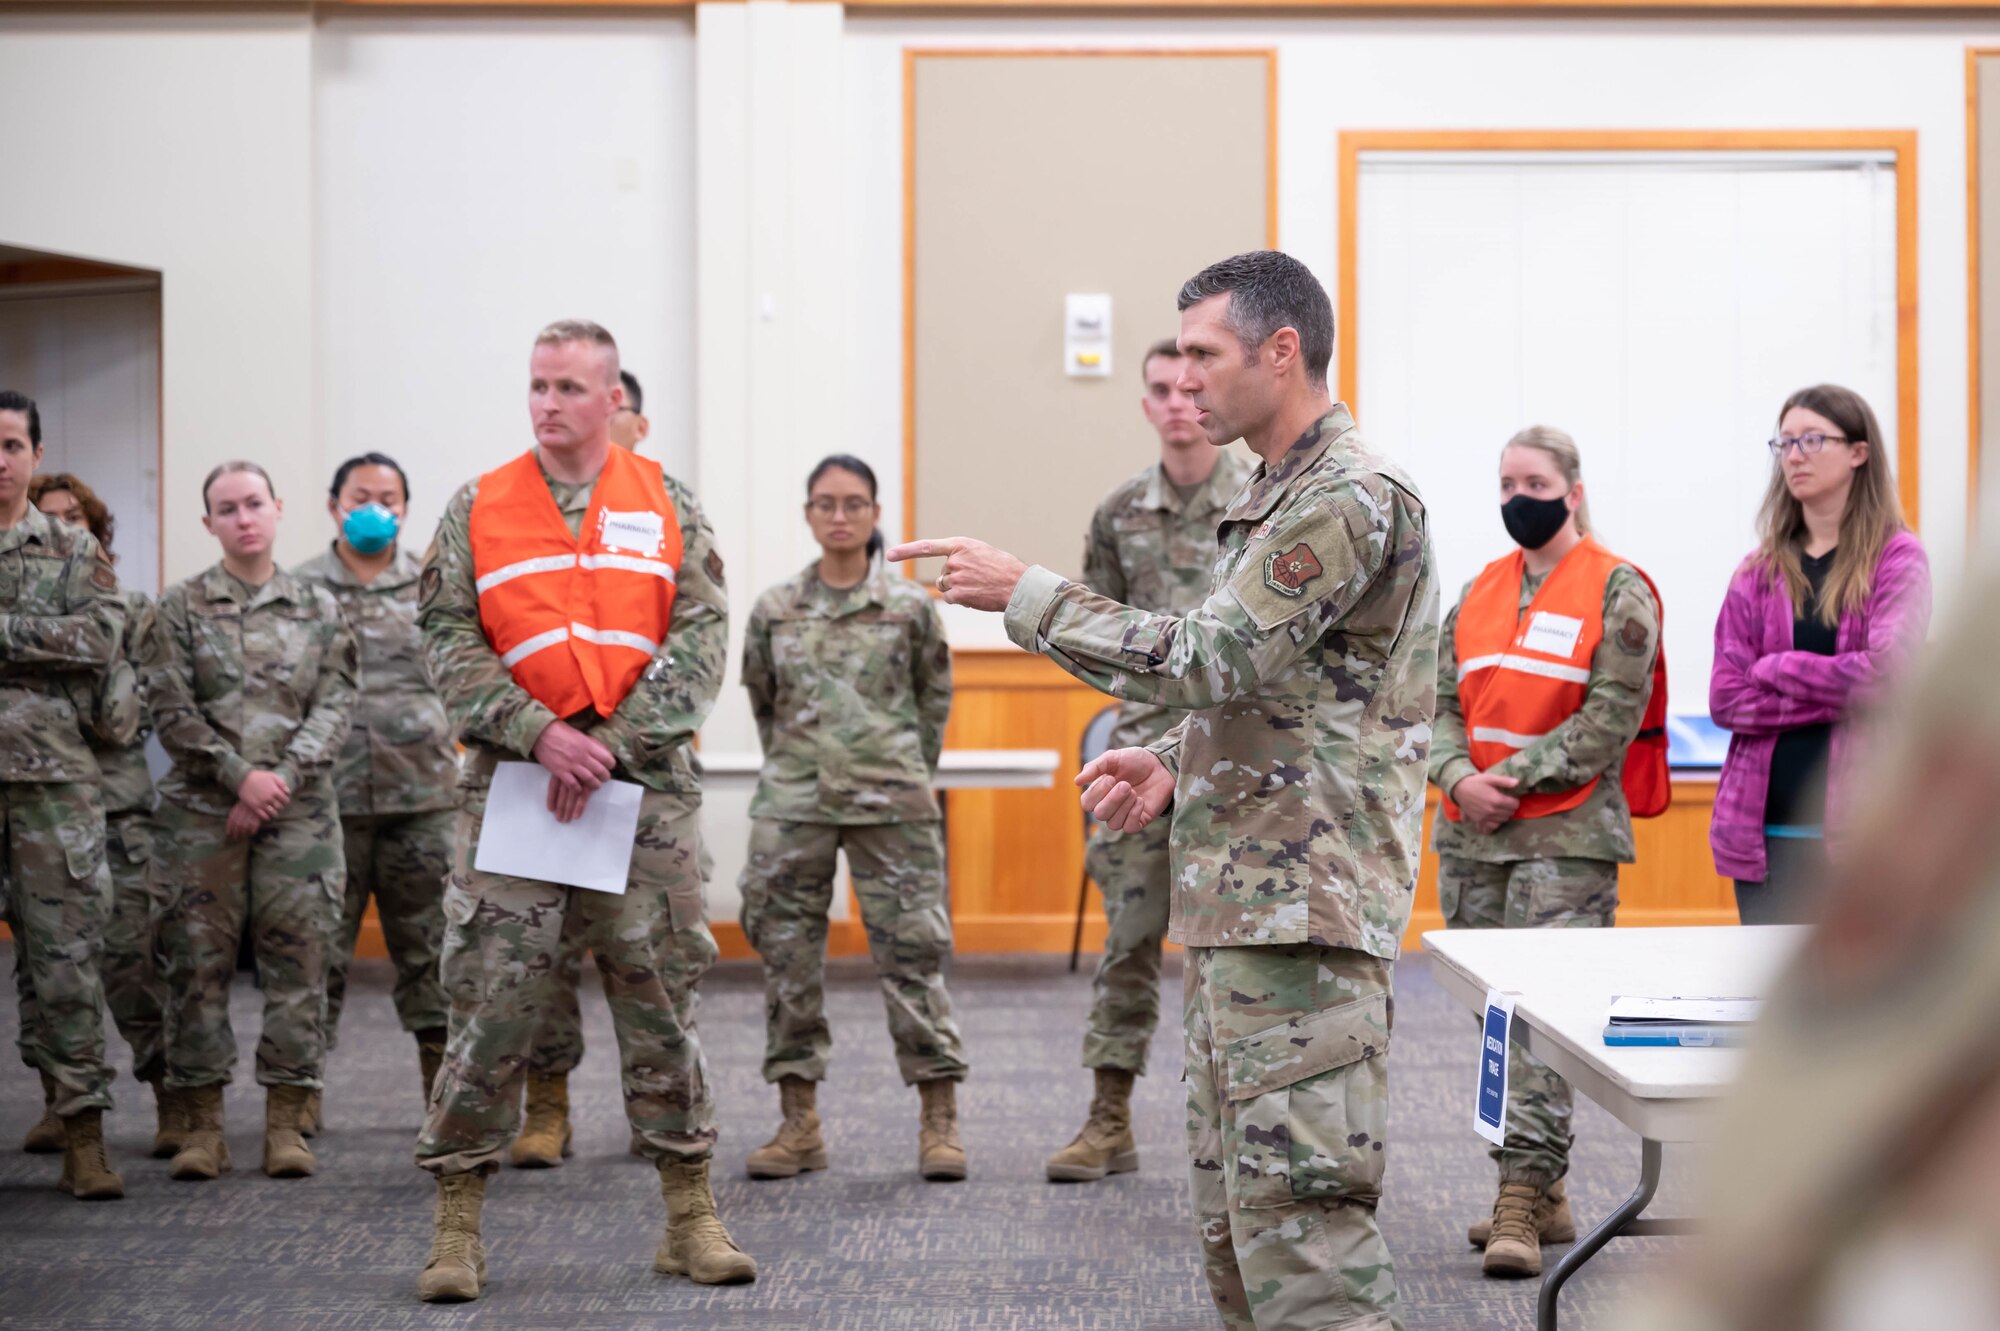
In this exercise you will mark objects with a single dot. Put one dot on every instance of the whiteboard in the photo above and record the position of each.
(1659, 307)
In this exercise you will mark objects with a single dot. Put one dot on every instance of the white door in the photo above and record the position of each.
(92, 364)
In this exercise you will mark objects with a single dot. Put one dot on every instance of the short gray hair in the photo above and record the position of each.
(1269, 290)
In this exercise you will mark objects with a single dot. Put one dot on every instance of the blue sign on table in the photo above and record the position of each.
(1489, 1117)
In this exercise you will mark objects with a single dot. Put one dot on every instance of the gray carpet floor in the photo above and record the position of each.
(865, 1246)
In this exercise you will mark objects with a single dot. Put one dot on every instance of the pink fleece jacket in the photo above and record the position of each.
(1761, 686)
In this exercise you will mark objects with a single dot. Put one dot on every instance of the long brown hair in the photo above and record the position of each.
(1873, 515)
(96, 516)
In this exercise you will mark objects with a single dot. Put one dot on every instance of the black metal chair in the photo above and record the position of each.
(1096, 739)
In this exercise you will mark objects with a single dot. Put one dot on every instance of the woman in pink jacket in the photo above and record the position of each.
(1826, 612)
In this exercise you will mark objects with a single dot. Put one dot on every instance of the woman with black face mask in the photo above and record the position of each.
(1549, 671)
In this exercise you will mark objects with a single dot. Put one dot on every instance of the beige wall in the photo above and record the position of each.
(1038, 175)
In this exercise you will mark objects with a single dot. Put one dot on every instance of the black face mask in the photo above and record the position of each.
(1532, 522)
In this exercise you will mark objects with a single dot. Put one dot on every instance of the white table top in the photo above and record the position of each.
(958, 769)
(1564, 980)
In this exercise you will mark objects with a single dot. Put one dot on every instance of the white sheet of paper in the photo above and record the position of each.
(520, 837)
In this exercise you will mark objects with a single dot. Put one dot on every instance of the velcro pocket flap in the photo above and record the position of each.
(1305, 1046)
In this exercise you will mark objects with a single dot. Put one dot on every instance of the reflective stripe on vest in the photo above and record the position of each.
(576, 619)
(1514, 694)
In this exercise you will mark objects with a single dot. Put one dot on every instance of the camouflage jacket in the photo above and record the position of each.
(61, 622)
(496, 719)
(1592, 742)
(1310, 675)
(1148, 550)
(399, 756)
(242, 680)
(851, 690)
(126, 781)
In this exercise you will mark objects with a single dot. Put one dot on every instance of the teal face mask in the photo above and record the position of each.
(369, 529)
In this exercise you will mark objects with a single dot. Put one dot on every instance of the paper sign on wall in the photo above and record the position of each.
(1489, 1116)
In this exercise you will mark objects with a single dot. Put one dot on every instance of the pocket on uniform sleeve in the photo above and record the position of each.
(83, 848)
(1309, 1106)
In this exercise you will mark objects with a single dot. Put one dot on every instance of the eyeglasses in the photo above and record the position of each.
(1808, 444)
(853, 507)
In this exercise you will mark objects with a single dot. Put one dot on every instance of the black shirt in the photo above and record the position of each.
(1797, 796)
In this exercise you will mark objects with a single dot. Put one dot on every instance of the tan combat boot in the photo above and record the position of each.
(430, 1059)
(204, 1153)
(86, 1173)
(940, 1155)
(46, 1137)
(171, 1120)
(696, 1245)
(1512, 1246)
(286, 1154)
(545, 1141)
(1553, 1222)
(1105, 1146)
(311, 1114)
(798, 1145)
(456, 1268)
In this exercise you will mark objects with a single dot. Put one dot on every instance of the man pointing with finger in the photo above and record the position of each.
(1296, 785)
(574, 614)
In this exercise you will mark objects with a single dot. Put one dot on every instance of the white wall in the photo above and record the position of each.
(475, 180)
(178, 143)
(1479, 73)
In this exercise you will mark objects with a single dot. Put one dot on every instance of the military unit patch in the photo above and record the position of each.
(1289, 572)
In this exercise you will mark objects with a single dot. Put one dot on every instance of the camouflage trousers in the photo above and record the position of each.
(558, 1044)
(285, 883)
(131, 968)
(402, 860)
(899, 880)
(1530, 894)
(502, 939)
(1288, 1103)
(57, 895)
(1132, 873)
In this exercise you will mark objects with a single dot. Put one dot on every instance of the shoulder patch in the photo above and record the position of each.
(102, 577)
(427, 586)
(1290, 572)
(713, 567)
(1311, 556)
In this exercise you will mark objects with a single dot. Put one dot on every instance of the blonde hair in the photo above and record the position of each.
(1873, 514)
(582, 330)
(235, 465)
(1561, 450)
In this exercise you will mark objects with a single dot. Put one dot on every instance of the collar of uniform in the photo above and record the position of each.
(873, 589)
(33, 528)
(1268, 483)
(219, 584)
(1160, 492)
(402, 571)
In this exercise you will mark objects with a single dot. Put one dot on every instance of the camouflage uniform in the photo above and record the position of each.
(61, 623)
(244, 679)
(1309, 674)
(503, 935)
(1558, 871)
(851, 689)
(131, 968)
(396, 780)
(1149, 549)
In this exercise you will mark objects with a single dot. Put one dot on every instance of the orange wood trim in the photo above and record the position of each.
(911, 54)
(1900, 142)
(1973, 458)
(910, 302)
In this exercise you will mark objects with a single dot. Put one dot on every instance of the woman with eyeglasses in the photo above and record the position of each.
(850, 680)
(1818, 620)
(1549, 736)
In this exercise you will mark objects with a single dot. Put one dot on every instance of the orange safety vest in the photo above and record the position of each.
(1522, 673)
(576, 618)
